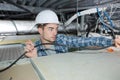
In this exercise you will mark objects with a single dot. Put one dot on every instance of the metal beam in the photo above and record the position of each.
(87, 7)
(32, 2)
(9, 7)
(40, 2)
(50, 3)
(59, 3)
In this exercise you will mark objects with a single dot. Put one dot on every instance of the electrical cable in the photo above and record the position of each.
(13, 62)
(107, 25)
(101, 18)
(77, 18)
(108, 18)
(15, 26)
(6, 68)
(24, 55)
(112, 31)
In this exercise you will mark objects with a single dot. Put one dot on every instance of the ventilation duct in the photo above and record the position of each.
(13, 27)
(10, 27)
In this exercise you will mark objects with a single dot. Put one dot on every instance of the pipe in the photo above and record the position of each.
(85, 12)
(16, 26)
(13, 27)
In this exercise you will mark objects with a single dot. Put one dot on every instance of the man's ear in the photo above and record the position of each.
(40, 30)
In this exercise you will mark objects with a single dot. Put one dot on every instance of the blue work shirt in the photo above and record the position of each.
(65, 42)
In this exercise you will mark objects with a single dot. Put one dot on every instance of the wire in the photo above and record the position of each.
(25, 53)
(112, 34)
(107, 25)
(78, 32)
(15, 26)
(6, 68)
(13, 62)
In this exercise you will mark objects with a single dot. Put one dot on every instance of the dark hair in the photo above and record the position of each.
(41, 25)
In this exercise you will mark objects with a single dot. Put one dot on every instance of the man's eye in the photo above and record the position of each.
(50, 29)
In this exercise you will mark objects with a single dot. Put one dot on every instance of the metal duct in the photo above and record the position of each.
(9, 27)
(71, 28)
(13, 27)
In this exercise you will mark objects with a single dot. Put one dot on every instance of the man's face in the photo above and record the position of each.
(49, 32)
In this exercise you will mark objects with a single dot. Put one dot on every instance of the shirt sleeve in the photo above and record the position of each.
(73, 41)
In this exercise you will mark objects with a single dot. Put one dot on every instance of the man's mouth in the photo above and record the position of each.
(53, 37)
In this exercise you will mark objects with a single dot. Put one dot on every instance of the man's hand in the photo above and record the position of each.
(30, 49)
(117, 41)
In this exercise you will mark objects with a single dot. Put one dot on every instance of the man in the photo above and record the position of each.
(47, 23)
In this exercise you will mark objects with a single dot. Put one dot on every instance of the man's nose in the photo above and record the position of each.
(55, 32)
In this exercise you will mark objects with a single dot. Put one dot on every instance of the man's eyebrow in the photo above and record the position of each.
(51, 27)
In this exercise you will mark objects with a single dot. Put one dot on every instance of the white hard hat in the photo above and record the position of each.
(46, 16)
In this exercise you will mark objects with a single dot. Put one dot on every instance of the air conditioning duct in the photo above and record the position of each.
(13, 27)
(10, 27)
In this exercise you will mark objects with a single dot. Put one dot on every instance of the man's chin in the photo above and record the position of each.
(52, 41)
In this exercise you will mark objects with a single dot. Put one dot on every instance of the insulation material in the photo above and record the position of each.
(85, 66)
(23, 70)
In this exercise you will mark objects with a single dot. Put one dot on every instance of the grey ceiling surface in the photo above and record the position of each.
(23, 9)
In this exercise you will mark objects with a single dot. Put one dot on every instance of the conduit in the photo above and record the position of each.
(85, 12)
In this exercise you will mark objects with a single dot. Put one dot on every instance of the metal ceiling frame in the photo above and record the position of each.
(60, 6)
